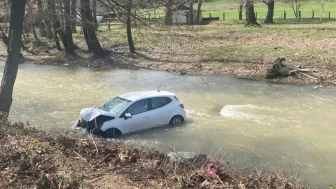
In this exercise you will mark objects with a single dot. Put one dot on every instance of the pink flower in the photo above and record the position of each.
(211, 170)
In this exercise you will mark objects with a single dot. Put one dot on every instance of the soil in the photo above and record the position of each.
(31, 158)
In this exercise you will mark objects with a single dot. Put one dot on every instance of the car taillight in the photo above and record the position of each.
(181, 105)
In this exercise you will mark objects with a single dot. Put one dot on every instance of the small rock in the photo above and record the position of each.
(65, 64)
(181, 156)
(183, 73)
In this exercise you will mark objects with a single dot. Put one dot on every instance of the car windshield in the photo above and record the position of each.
(115, 105)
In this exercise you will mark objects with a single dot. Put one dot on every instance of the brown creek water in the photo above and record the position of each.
(250, 124)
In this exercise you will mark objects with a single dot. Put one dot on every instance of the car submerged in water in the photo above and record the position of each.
(131, 112)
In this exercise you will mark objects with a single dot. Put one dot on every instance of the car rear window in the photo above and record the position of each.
(159, 102)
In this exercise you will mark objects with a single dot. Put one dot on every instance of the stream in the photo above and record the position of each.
(246, 123)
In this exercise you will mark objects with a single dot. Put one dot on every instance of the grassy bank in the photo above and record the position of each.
(31, 158)
(221, 48)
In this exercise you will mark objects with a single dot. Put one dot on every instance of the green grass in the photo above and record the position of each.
(230, 8)
(236, 52)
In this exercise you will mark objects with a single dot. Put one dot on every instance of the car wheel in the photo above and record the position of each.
(112, 133)
(176, 120)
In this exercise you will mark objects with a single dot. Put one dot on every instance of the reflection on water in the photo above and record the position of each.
(254, 123)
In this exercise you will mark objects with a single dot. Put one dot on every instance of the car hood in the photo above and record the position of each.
(89, 114)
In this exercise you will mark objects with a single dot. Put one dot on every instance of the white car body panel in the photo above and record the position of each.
(145, 120)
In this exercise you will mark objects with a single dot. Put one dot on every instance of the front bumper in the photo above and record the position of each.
(90, 127)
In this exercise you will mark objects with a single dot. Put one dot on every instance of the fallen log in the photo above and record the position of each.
(279, 69)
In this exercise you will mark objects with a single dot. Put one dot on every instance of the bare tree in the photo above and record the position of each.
(129, 27)
(55, 23)
(13, 49)
(322, 9)
(168, 12)
(89, 30)
(250, 15)
(296, 6)
(240, 9)
(73, 16)
(198, 13)
(270, 11)
(69, 47)
(191, 12)
(43, 32)
(94, 12)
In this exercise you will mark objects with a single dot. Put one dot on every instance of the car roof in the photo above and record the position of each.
(135, 96)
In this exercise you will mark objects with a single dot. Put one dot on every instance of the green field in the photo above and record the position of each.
(217, 7)
(230, 8)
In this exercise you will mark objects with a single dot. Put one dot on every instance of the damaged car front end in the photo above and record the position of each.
(92, 119)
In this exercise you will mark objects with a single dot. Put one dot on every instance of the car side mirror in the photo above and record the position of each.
(128, 115)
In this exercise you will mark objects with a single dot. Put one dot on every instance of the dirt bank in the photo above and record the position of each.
(31, 158)
(243, 70)
(220, 48)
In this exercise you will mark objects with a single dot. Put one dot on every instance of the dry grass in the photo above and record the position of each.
(31, 158)
(216, 48)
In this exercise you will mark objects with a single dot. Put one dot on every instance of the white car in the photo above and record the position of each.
(132, 112)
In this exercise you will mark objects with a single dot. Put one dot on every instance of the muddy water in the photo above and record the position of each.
(249, 124)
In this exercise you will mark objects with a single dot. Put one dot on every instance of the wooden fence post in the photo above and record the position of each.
(329, 15)
(284, 14)
(299, 14)
(313, 13)
(223, 15)
(210, 14)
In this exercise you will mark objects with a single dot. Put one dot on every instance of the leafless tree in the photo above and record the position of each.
(89, 29)
(296, 6)
(240, 9)
(270, 11)
(198, 13)
(13, 49)
(251, 19)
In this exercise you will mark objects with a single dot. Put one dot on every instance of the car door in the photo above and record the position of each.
(160, 111)
(140, 117)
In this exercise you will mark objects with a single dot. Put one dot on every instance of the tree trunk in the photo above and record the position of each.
(73, 16)
(270, 12)
(198, 14)
(55, 23)
(129, 28)
(47, 26)
(4, 36)
(169, 13)
(69, 48)
(94, 12)
(61, 13)
(240, 10)
(89, 31)
(43, 32)
(250, 15)
(191, 12)
(12, 63)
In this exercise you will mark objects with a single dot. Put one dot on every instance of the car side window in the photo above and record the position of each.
(138, 107)
(159, 102)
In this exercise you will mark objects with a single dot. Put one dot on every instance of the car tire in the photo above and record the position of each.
(112, 133)
(176, 120)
